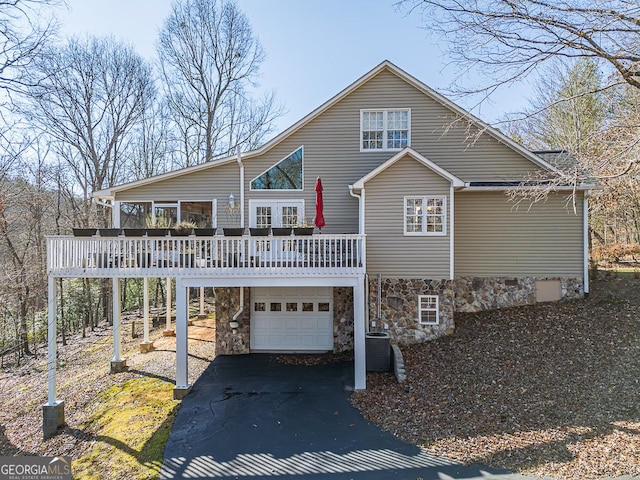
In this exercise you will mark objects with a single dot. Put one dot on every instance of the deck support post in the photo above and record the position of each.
(201, 315)
(168, 332)
(53, 410)
(189, 322)
(360, 373)
(182, 370)
(118, 364)
(146, 345)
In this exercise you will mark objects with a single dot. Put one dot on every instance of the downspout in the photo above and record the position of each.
(451, 225)
(360, 198)
(239, 160)
(585, 242)
(234, 321)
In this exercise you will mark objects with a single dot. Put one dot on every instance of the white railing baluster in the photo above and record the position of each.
(218, 255)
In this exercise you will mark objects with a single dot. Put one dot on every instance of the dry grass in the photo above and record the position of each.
(547, 389)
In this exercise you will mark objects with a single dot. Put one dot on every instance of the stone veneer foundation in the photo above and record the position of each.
(473, 294)
(399, 308)
(342, 319)
(399, 305)
(232, 341)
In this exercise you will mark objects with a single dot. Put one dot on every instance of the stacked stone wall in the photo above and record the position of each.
(231, 341)
(399, 308)
(473, 294)
(342, 319)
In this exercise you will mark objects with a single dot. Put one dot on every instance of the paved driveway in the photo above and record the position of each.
(252, 417)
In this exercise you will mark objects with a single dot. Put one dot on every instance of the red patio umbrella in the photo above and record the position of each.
(319, 204)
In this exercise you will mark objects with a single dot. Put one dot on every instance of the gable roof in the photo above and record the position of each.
(408, 151)
(385, 65)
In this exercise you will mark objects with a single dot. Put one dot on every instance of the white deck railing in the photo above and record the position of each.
(217, 255)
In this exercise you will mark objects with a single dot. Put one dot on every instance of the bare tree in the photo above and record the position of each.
(509, 39)
(25, 29)
(89, 96)
(210, 60)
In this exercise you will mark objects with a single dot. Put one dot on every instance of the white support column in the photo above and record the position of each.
(168, 331)
(202, 315)
(189, 322)
(360, 372)
(53, 347)
(146, 345)
(182, 371)
(53, 410)
(118, 364)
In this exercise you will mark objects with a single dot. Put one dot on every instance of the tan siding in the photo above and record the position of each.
(492, 238)
(389, 252)
(213, 183)
(332, 151)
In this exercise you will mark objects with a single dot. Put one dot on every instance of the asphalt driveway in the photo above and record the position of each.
(253, 417)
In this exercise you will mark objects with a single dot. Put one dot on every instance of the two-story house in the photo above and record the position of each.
(417, 227)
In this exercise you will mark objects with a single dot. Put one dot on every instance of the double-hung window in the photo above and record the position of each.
(385, 129)
(425, 215)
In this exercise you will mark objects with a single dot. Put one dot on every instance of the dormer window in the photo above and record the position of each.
(284, 175)
(385, 129)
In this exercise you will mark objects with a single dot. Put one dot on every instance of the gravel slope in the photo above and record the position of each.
(550, 389)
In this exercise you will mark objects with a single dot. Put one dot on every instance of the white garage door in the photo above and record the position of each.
(292, 319)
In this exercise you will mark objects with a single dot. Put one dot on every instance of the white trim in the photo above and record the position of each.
(567, 188)
(385, 129)
(585, 243)
(455, 181)
(451, 225)
(301, 147)
(436, 309)
(385, 65)
(424, 232)
(241, 165)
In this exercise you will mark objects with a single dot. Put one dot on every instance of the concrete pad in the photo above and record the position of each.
(168, 333)
(52, 418)
(118, 367)
(146, 347)
(252, 417)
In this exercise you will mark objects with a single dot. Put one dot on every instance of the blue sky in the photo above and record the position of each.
(313, 48)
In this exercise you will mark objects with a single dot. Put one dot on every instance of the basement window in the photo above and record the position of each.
(428, 310)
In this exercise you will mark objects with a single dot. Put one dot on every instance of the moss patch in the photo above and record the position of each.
(130, 426)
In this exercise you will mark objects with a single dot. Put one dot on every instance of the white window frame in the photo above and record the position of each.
(385, 124)
(276, 220)
(154, 204)
(422, 309)
(424, 231)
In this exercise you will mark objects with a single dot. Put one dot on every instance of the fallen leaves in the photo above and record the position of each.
(549, 389)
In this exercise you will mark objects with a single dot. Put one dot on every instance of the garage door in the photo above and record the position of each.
(292, 319)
